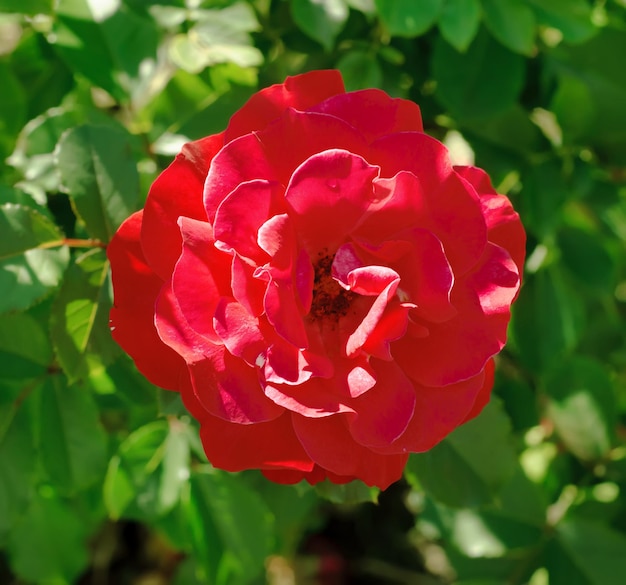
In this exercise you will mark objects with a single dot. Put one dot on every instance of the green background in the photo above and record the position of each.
(102, 477)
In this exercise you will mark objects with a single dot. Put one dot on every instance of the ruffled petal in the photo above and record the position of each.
(328, 442)
(274, 153)
(267, 445)
(438, 411)
(239, 331)
(176, 192)
(373, 113)
(242, 213)
(450, 209)
(504, 226)
(300, 92)
(230, 389)
(132, 316)
(201, 277)
(458, 349)
(383, 413)
(328, 195)
(311, 398)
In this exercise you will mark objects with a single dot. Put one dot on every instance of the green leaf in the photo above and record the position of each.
(572, 17)
(12, 109)
(29, 270)
(594, 65)
(26, 6)
(479, 455)
(360, 70)
(241, 520)
(480, 83)
(220, 36)
(512, 23)
(573, 107)
(105, 42)
(43, 75)
(548, 320)
(586, 552)
(146, 477)
(80, 316)
(322, 20)
(99, 174)
(544, 192)
(582, 407)
(16, 453)
(176, 461)
(586, 256)
(25, 351)
(73, 444)
(48, 545)
(459, 22)
(407, 18)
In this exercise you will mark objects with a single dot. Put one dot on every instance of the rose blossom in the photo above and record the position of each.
(321, 285)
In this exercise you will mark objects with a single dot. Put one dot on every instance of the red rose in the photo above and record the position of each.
(324, 289)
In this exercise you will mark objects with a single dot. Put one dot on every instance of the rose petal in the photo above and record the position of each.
(328, 195)
(239, 331)
(458, 349)
(438, 411)
(450, 210)
(242, 213)
(300, 92)
(132, 316)
(267, 445)
(176, 332)
(247, 289)
(201, 277)
(286, 364)
(504, 227)
(373, 112)
(264, 155)
(329, 443)
(359, 337)
(310, 398)
(176, 192)
(383, 413)
(230, 389)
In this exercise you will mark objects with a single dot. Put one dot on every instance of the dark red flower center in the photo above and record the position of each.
(330, 300)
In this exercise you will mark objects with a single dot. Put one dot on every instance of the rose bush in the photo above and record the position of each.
(321, 285)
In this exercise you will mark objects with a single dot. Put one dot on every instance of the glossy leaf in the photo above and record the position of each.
(459, 22)
(51, 528)
(32, 257)
(479, 83)
(16, 453)
(25, 351)
(513, 24)
(72, 441)
(587, 552)
(99, 174)
(573, 18)
(322, 20)
(105, 42)
(80, 316)
(242, 523)
(360, 70)
(548, 320)
(406, 18)
(582, 407)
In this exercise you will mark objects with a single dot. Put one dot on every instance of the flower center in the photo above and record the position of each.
(329, 298)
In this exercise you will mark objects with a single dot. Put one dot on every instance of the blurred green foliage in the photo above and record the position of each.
(96, 96)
